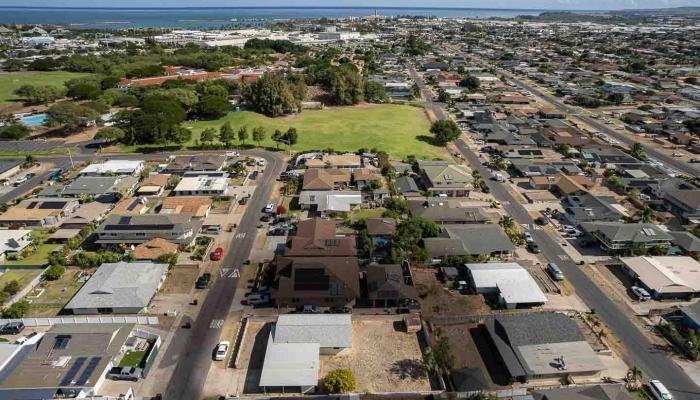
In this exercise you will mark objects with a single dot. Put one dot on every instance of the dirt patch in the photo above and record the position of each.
(181, 279)
(382, 358)
(437, 300)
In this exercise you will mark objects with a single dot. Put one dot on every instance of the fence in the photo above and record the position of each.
(153, 351)
(85, 320)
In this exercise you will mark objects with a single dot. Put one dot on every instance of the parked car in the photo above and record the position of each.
(255, 299)
(12, 328)
(244, 200)
(309, 309)
(233, 154)
(339, 310)
(221, 350)
(542, 220)
(125, 374)
(203, 281)
(640, 293)
(21, 180)
(254, 175)
(555, 272)
(266, 218)
(269, 208)
(261, 162)
(217, 254)
(533, 247)
(659, 390)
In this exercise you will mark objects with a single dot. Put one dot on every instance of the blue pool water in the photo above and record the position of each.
(34, 120)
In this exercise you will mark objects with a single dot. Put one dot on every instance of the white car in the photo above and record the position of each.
(233, 154)
(641, 293)
(269, 208)
(261, 162)
(659, 390)
(221, 350)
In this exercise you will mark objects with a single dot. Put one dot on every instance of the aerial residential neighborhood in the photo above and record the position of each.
(227, 203)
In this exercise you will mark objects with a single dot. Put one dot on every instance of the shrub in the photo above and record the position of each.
(17, 310)
(339, 381)
(12, 287)
(54, 272)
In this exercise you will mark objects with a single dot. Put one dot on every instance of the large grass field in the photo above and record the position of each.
(397, 129)
(11, 81)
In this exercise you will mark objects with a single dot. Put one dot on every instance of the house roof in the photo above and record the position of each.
(594, 392)
(120, 285)
(158, 180)
(153, 249)
(686, 240)
(386, 281)
(88, 213)
(445, 174)
(380, 226)
(197, 183)
(330, 200)
(85, 352)
(205, 162)
(317, 237)
(328, 330)
(365, 174)
(461, 240)
(335, 160)
(290, 364)
(666, 274)
(324, 178)
(131, 206)
(113, 167)
(406, 184)
(573, 183)
(293, 283)
(99, 185)
(513, 282)
(10, 239)
(197, 206)
(446, 211)
(623, 232)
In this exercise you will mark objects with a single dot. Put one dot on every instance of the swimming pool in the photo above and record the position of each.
(34, 120)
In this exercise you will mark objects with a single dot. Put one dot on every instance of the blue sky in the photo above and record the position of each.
(522, 4)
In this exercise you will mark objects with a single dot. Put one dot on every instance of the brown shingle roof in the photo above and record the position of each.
(197, 206)
(153, 249)
(317, 238)
(324, 179)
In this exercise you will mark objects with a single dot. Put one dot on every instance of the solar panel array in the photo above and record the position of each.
(85, 376)
(311, 279)
(73, 371)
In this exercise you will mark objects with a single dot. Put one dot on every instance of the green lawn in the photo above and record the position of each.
(56, 294)
(364, 213)
(10, 81)
(399, 130)
(38, 258)
(132, 359)
(23, 276)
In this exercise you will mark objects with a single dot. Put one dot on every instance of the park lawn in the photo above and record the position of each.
(11, 81)
(38, 258)
(22, 276)
(397, 129)
(56, 294)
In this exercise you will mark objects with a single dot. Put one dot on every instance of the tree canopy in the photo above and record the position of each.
(445, 131)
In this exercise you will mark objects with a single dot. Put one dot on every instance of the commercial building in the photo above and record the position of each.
(513, 286)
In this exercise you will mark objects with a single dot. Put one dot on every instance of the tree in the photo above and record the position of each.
(16, 310)
(346, 86)
(259, 134)
(54, 272)
(15, 132)
(637, 151)
(616, 98)
(415, 46)
(291, 137)
(429, 362)
(445, 131)
(207, 137)
(507, 222)
(212, 107)
(243, 134)
(85, 91)
(110, 134)
(12, 287)
(71, 116)
(443, 354)
(39, 94)
(227, 135)
(646, 215)
(273, 95)
(281, 209)
(277, 137)
(471, 83)
(375, 92)
(634, 377)
(415, 91)
(339, 381)
(168, 258)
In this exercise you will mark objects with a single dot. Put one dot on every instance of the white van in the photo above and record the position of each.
(659, 390)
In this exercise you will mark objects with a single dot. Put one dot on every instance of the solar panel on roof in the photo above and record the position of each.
(85, 376)
(73, 371)
(133, 205)
(124, 220)
(61, 342)
(52, 205)
(311, 279)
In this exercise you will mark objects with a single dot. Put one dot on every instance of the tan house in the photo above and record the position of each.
(154, 249)
(325, 179)
(197, 206)
(446, 178)
(346, 161)
(153, 185)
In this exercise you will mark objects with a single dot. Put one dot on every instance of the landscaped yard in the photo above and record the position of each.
(11, 81)
(56, 294)
(38, 258)
(397, 129)
(23, 276)
(132, 359)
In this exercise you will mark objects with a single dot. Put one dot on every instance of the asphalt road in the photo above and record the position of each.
(655, 363)
(31, 183)
(191, 372)
(675, 163)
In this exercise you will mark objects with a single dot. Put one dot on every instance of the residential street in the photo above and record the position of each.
(191, 372)
(655, 363)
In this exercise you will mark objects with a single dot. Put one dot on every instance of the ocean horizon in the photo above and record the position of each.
(216, 17)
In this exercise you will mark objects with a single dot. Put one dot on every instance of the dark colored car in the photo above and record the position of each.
(203, 281)
(542, 220)
(533, 247)
(254, 175)
(12, 328)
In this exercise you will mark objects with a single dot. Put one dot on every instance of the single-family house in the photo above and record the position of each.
(445, 178)
(202, 186)
(137, 229)
(329, 201)
(39, 212)
(510, 283)
(469, 240)
(196, 206)
(14, 241)
(388, 286)
(114, 168)
(665, 277)
(206, 162)
(618, 237)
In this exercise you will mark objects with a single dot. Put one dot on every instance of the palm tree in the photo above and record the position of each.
(646, 215)
(637, 151)
(634, 377)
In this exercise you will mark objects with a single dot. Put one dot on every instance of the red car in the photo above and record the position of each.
(217, 254)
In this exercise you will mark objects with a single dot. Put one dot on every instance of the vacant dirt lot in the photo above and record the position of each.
(382, 358)
(437, 300)
(181, 279)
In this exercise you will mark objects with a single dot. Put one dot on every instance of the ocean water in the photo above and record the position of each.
(193, 18)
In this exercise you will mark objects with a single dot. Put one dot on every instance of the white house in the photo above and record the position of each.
(14, 241)
(509, 281)
(114, 167)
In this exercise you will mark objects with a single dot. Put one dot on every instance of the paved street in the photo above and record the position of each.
(188, 379)
(655, 363)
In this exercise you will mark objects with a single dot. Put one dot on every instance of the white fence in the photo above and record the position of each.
(85, 320)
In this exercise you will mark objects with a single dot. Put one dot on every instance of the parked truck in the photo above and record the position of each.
(125, 374)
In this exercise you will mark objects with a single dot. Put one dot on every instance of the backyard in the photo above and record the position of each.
(55, 294)
(22, 275)
(11, 81)
(397, 129)
(38, 258)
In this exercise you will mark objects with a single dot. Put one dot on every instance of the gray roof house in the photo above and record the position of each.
(444, 211)
(102, 187)
(407, 186)
(542, 346)
(119, 288)
(474, 240)
(137, 229)
(387, 286)
(446, 178)
(620, 236)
